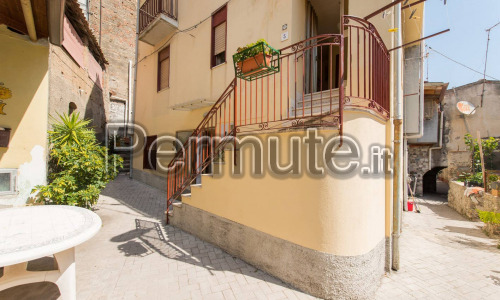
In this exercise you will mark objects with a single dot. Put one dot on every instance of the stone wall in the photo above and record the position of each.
(418, 164)
(456, 125)
(468, 207)
(454, 154)
(69, 83)
(114, 25)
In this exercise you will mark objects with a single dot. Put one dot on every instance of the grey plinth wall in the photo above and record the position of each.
(150, 179)
(319, 274)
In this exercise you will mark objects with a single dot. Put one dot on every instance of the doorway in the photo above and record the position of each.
(434, 182)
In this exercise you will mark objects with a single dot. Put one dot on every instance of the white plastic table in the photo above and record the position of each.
(28, 233)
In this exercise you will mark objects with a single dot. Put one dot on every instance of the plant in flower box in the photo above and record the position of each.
(256, 60)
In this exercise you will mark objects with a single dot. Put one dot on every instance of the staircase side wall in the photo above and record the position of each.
(324, 234)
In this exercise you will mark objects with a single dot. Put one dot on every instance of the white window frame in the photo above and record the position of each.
(13, 177)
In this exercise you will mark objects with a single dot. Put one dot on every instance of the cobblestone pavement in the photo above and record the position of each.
(135, 256)
(443, 256)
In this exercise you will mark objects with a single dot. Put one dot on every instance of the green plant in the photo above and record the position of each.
(489, 145)
(70, 130)
(463, 176)
(268, 65)
(252, 49)
(489, 217)
(79, 168)
(477, 177)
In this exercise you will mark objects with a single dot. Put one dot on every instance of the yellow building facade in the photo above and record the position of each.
(24, 73)
(328, 235)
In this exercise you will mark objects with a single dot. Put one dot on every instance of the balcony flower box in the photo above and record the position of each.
(254, 64)
(256, 61)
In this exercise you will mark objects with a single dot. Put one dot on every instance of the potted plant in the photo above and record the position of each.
(494, 184)
(256, 60)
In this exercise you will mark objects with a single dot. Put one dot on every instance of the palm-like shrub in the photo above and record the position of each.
(79, 168)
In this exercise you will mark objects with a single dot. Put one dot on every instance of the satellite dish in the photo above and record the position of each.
(466, 108)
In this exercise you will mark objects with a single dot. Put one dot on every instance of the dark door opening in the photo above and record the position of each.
(433, 183)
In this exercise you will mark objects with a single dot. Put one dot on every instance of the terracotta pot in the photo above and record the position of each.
(254, 64)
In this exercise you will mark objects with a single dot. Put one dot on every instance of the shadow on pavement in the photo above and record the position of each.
(150, 237)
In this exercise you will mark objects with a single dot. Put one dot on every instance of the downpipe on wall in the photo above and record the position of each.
(398, 146)
(133, 93)
(420, 133)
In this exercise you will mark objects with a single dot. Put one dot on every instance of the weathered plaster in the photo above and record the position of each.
(29, 175)
(317, 273)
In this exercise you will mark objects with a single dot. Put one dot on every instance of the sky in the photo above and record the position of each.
(465, 43)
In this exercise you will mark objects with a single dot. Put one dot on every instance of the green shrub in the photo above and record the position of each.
(489, 145)
(489, 217)
(79, 168)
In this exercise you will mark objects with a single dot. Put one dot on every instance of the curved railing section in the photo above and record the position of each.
(315, 81)
(305, 92)
(368, 66)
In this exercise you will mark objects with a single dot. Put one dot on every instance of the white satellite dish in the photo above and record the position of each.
(466, 108)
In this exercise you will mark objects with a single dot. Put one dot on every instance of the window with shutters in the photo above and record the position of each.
(164, 69)
(219, 36)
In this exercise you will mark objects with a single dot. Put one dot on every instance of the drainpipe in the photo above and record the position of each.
(133, 93)
(398, 146)
(440, 139)
(420, 118)
(28, 19)
(130, 95)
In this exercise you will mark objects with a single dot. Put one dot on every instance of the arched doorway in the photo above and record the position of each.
(432, 184)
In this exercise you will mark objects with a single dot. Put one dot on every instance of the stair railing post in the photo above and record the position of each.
(341, 81)
(235, 119)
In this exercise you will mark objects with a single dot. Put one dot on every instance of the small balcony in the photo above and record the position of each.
(157, 19)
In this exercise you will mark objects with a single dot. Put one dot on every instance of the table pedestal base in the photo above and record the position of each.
(64, 277)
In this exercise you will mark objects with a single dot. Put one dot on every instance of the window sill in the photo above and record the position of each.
(219, 65)
(162, 90)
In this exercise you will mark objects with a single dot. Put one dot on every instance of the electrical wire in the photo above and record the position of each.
(457, 62)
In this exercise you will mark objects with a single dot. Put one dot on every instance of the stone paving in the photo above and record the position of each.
(134, 256)
(443, 256)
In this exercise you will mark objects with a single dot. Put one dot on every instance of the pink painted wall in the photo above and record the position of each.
(95, 71)
(72, 43)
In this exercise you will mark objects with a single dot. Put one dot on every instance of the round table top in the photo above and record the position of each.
(31, 232)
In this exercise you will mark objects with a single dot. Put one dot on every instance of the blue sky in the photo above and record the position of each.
(465, 43)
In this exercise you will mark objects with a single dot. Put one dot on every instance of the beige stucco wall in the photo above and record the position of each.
(191, 76)
(24, 70)
(332, 215)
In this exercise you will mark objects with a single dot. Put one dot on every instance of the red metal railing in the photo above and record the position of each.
(311, 89)
(152, 8)
(368, 66)
(205, 144)
(306, 90)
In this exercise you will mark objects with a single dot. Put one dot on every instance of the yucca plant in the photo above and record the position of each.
(79, 168)
(71, 129)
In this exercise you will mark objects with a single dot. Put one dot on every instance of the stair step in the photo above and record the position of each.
(197, 185)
